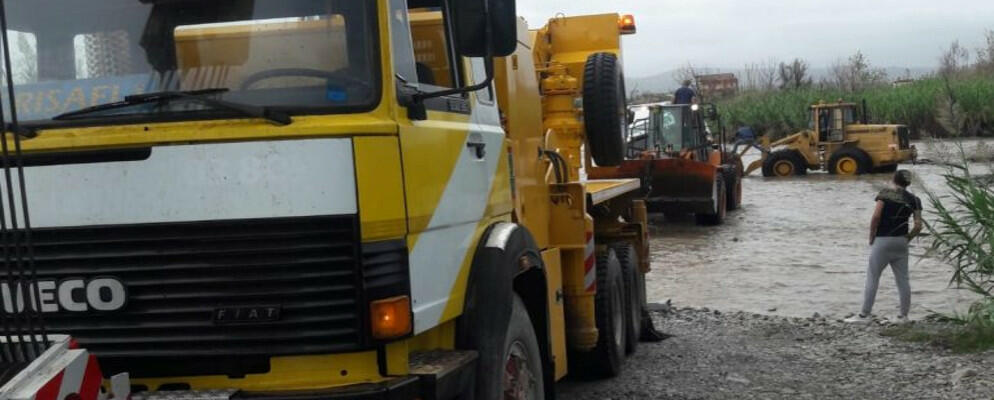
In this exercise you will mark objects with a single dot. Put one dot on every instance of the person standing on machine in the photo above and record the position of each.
(685, 95)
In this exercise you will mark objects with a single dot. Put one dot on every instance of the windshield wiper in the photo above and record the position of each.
(276, 117)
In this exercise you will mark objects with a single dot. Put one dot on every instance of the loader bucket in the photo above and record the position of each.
(674, 185)
(754, 166)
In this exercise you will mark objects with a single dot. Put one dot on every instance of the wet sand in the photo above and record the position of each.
(796, 247)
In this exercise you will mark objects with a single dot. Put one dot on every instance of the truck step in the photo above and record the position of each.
(444, 374)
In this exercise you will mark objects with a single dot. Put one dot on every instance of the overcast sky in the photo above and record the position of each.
(731, 33)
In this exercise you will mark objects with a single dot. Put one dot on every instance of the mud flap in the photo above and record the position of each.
(649, 331)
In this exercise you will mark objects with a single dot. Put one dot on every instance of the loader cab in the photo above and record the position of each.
(638, 138)
(830, 121)
(678, 131)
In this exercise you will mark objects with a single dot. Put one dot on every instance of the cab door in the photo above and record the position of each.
(450, 160)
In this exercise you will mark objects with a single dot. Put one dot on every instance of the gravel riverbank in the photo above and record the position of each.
(716, 355)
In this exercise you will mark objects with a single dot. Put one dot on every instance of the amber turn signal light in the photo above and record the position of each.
(391, 317)
(626, 23)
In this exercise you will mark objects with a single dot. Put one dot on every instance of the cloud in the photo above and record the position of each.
(731, 33)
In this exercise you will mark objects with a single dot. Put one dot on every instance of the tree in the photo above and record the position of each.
(761, 75)
(985, 54)
(686, 72)
(794, 75)
(855, 74)
(953, 59)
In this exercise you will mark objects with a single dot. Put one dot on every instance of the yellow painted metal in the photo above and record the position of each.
(225, 130)
(561, 118)
(557, 321)
(289, 373)
(431, 149)
(397, 357)
(516, 87)
(441, 337)
(395, 201)
(602, 190)
(783, 168)
(880, 142)
(570, 40)
(846, 166)
(640, 215)
(380, 187)
(569, 226)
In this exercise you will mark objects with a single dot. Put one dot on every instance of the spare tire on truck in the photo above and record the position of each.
(605, 111)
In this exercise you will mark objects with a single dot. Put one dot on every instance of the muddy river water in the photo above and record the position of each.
(797, 246)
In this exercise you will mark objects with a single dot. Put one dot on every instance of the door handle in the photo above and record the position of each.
(480, 149)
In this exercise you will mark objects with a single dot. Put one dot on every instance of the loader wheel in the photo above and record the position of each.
(605, 112)
(782, 163)
(849, 161)
(718, 217)
(522, 358)
(733, 183)
(605, 360)
(629, 261)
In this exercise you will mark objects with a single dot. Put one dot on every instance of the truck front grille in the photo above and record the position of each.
(192, 288)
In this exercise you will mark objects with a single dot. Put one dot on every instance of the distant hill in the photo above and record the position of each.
(665, 81)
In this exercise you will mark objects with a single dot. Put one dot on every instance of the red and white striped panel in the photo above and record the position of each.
(60, 374)
(590, 265)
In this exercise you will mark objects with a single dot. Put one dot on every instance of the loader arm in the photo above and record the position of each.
(767, 147)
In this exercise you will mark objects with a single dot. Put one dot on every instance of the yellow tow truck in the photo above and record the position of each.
(311, 199)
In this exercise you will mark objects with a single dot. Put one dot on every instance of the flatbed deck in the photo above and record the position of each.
(601, 190)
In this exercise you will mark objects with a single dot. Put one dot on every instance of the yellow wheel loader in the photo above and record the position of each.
(317, 199)
(838, 140)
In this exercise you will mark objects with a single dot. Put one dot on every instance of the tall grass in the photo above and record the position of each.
(918, 105)
(961, 227)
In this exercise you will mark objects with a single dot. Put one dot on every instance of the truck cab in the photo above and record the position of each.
(302, 198)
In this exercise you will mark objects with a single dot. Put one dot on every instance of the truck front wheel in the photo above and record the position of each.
(522, 378)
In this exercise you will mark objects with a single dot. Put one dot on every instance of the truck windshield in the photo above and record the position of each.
(301, 56)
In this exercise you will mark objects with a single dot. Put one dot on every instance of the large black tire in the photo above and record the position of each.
(629, 260)
(605, 112)
(521, 350)
(718, 217)
(488, 319)
(776, 164)
(733, 192)
(606, 359)
(850, 161)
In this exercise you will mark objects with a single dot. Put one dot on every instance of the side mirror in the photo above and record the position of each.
(479, 23)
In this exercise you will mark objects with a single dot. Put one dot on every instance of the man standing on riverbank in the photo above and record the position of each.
(889, 239)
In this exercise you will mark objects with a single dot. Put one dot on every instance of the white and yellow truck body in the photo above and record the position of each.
(201, 249)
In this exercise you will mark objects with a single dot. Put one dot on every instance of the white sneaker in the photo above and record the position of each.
(901, 319)
(858, 319)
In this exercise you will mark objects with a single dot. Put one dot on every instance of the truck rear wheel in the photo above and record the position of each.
(629, 261)
(605, 113)
(522, 378)
(782, 163)
(849, 161)
(605, 360)
(718, 217)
